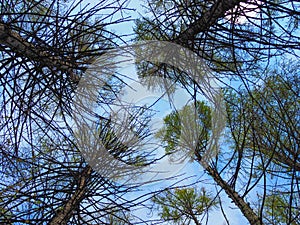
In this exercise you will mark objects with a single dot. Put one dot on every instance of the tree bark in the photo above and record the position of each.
(62, 217)
(19, 45)
(236, 198)
(209, 18)
(195, 219)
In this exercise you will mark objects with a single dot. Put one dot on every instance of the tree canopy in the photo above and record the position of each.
(250, 47)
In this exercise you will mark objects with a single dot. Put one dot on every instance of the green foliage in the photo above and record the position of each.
(278, 208)
(119, 218)
(183, 205)
(265, 119)
(187, 128)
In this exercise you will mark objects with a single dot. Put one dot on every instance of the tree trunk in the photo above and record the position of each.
(62, 217)
(236, 198)
(209, 18)
(19, 45)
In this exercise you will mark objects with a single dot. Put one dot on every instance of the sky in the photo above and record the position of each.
(140, 95)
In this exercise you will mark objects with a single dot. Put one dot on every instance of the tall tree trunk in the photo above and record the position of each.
(209, 18)
(21, 46)
(247, 211)
(62, 217)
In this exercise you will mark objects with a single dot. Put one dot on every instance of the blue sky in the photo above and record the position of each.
(193, 170)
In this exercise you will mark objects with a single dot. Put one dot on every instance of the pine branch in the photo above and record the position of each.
(209, 18)
(62, 217)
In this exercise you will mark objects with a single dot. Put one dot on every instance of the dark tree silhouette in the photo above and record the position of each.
(45, 48)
